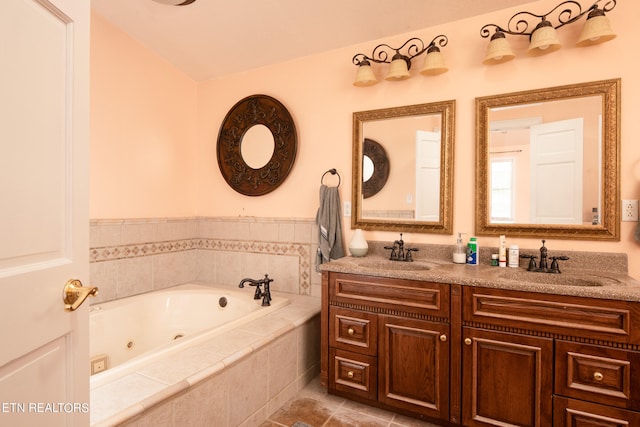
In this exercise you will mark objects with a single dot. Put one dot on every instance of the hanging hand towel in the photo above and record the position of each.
(329, 224)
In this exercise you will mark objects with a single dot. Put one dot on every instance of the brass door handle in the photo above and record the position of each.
(443, 338)
(74, 294)
(468, 341)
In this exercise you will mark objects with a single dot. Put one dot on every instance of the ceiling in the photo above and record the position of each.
(213, 38)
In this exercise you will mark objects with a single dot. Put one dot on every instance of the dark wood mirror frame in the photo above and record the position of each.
(609, 227)
(374, 151)
(246, 113)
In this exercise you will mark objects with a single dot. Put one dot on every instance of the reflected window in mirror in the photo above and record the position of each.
(548, 162)
(417, 142)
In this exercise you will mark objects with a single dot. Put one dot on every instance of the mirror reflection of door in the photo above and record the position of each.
(557, 172)
(427, 176)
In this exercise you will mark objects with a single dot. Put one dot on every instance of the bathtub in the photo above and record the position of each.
(134, 331)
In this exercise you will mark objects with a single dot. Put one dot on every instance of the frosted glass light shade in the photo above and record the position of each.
(498, 50)
(433, 63)
(543, 40)
(596, 30)
(365, 76)
(399, 68)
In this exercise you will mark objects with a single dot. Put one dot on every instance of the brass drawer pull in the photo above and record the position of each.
(443, 337)
(598, 376)
(467, 341)
(351, 331)
(350, 374)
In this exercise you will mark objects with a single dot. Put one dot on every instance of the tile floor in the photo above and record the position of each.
(315, 407)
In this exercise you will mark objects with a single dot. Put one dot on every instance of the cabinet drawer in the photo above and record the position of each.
(608, 320)
(576, 413)
(409, 296)
(353, 330)
(598, 374)
(353, 373)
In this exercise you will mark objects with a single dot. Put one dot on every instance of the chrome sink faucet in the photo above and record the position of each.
(266, 294)
(398, 251)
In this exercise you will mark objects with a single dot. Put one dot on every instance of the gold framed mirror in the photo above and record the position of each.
(548, 162)
(418, 192)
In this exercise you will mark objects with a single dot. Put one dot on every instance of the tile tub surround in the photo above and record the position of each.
(133, 256)
(237, 378)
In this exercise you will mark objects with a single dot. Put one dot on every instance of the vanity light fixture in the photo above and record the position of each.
(400, 60)
(542, 39)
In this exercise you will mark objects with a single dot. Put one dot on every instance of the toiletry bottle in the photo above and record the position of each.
(472, 251)
(514, 256)
(502, 252)
(460, 252)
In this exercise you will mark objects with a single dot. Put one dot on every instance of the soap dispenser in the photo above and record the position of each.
(460, 251)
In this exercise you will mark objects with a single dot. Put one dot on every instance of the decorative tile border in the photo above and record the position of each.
(302, 251)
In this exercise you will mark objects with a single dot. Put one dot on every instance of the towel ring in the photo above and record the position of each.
(332, 172)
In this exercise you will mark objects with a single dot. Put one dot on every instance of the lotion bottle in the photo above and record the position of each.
(502, 252)
(460, 252)
(472, 251)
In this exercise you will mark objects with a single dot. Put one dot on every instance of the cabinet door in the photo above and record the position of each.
(413, 365)
(507, 379)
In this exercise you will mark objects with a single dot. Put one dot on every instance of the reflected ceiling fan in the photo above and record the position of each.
(175, 2)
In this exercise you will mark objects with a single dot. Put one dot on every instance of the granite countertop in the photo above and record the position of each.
(585, 275)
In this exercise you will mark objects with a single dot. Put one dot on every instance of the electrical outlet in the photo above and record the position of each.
(98, 364)
(347, 208)
(630, 210)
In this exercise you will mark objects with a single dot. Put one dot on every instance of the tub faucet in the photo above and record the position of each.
(266, 294)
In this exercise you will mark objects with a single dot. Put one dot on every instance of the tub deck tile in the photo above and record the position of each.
(122, 397)
(180, 365)
(230, 342)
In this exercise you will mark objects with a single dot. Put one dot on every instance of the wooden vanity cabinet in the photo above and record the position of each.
(481, 356)
(388, 342)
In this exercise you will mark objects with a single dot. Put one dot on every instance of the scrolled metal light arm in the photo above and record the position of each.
(383, 53)
(565, 13)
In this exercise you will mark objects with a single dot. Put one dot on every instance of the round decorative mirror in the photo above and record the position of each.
(375, 168)
(257, 145)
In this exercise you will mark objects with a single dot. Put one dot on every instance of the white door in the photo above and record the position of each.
(556, 172)
(428, 176)
(44, 86)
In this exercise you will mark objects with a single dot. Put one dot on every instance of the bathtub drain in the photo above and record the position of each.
(130, 345)
(223, 302)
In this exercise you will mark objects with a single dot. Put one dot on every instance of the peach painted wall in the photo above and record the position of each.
(317, 91)
(143, 130)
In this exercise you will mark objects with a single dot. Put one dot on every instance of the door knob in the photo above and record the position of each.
(74, 294)
(468, 341)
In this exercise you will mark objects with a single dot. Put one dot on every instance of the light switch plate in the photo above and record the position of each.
(630, 210)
